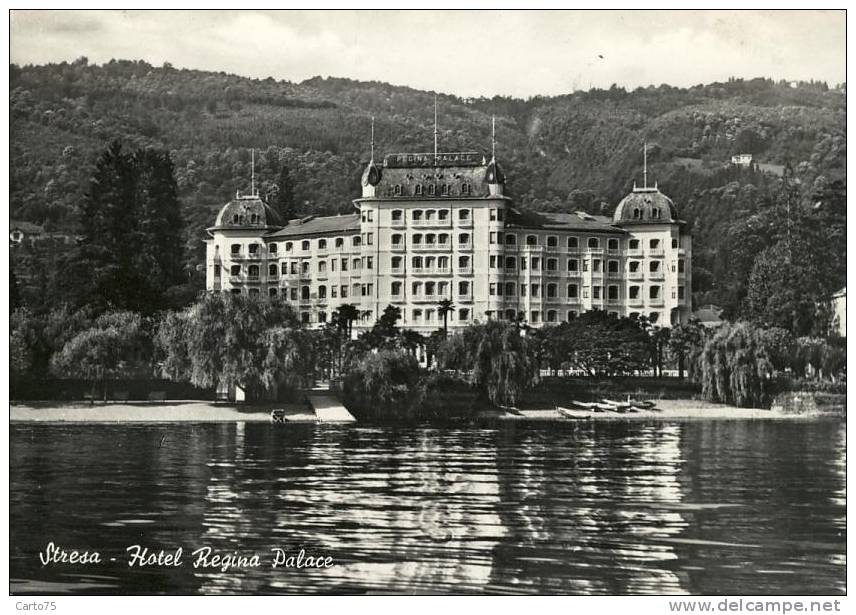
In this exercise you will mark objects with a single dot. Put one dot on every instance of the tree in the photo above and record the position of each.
(495, 357)
(115, 346)
(282, 199)
(348, 313)
(384, 385)
(602, 345)
(684, 344)
(444, 308)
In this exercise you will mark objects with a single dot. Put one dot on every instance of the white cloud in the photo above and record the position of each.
(465, 53)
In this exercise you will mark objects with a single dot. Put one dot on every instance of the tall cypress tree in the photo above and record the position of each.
(283, 200)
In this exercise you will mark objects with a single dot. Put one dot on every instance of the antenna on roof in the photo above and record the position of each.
(645, 165)
(493, 137)
(372, 159)
(435, 126)
(253, 175)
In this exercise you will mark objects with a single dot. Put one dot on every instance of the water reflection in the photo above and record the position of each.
(618, 508)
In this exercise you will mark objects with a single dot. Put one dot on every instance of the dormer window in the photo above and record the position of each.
(444, 189)
(431, 190)
(418, 190)
(235, 219)
(465, 189)
(655, 212)
(254, 218)
(397, 190)
(636, 213)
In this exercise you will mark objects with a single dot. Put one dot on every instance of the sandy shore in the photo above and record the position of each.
(154, 412)
(667, 409)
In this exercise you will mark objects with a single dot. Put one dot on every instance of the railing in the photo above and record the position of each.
(465, 297)
(396, 247)
(439, 223)
(468, 223)
(636, 253)
(464, 270)
(656, 275)
(430, 270)
(465, 246)
(637, 302)
(635, 275)
(656, 252)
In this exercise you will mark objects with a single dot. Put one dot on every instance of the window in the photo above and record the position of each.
(431, 189)
(464, 239)
(254, 291)
(397, 215)
(272, 248)
(595, 292)
(654, 244)
(510, 314)
(236, 248)
(492, 261)
(674, 243)
(572, 314)
(653, 317)
(397, 190)
(593, 243)
(442, 288)
(511, 240)
(654, 266)
(634, 244)
(332, 264)
(655, 212)
(217, 271)
(253, 272)
(356, 241)
(551, 291)
(595, 265)
(510, 262)
(322, 316)
(304, 293)
(429, 315)
(416, 289)
(509, 288)
(443, 239)
(272, 292)
(417, 315)
(322, 292)
(551, 315)
(535, 316)
(464, 214)
(322, 244)
(464, 313)
(492, 237)
(416, 261)
(680, 292)
(305, 246)
(492, 214)
(343, 291)
(535, 290)
(463, 288)
(294, 294)
(634, 266)
(369, 262)
(294, 267)
(340, 242)
(396, 262)
(417, 239)
(369, 238)
(492, 289)
(612, 244)
(272, 270)
(429, 289)
(633, 292)
(304, 318)
(531, 240)
(464, 262)
(443, 215)
(334, 290)
(396, 288)
(585, 292)
(585, 265)
(344, 264)
(357, 264)
(322, 267)
(465, 189)
(235, 270)
(573, 243)
(573, 264)
(681, 266)
(612, 266)
(612, 292)
(523, 288)
(522, 263)
(254, 248)
(284, 268)
(636, 213)
(552, 241)
(552, 264)
(418, 190)
(236, 291)
(654, 292)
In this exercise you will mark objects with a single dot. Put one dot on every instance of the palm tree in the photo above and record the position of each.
(348, 313)
(445, 307)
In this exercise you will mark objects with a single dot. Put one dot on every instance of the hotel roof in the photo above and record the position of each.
(311, 225)
(577, 221)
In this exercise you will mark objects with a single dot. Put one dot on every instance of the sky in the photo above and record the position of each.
(466, 53)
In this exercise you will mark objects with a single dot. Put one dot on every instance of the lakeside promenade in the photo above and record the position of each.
(208, 412)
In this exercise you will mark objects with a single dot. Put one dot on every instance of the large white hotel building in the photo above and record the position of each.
(438, 226)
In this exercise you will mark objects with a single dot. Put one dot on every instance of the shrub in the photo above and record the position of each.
(383, 385)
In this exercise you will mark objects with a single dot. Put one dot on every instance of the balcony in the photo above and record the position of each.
(635, 253)
(432, 246)
(468, 223)
(553, 248)
(465, 297)
(465, 246)
(434, 222)
(635, 302)
(656, 253)
(635, 275)
(398, 223)
(464, 271)
(613, 274)
(656, 275)
(658, 302)
(397, 247)
(397, 271)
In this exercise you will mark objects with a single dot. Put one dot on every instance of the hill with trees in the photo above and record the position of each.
(580, 151)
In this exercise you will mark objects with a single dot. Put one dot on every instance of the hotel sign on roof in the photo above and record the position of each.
(449, 159)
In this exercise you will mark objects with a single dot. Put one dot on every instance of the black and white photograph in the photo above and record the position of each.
(430, 302)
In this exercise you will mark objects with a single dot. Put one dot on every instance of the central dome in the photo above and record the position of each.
(645, 205)
(246, 212)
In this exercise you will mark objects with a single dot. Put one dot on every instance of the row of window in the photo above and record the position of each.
(510, 239)
(429, 189)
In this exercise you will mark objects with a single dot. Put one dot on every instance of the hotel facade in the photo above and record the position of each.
(437, 226)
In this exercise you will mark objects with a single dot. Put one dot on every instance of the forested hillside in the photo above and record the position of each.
(579, 151)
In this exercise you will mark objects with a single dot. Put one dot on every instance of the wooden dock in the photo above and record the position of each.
(328, 409)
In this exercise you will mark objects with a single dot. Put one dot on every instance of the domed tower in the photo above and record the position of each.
(658, 254)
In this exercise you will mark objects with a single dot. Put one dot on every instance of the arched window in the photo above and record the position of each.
(509, 288)
(356, 241)
(465, 189)
(417, 262)
(417, 190)
(531, 240)
(551, 315)
(636, 213)
(305, 246)
(417, 215)
(431, 189)
(593, 242)
(322, 244)
(340, 242)
(253, 271)
(397, 190)
(272, 270)
(304, 293)
(236, 248)
(396, 240)
(464, 262)
(511, 240)
(573, 243)
(322, 292)
(655, 212)
(464, 239)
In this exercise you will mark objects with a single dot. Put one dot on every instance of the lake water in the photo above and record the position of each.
(713, 507)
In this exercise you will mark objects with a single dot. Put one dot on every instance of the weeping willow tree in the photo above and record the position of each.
(737, 363)
(497, 360)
